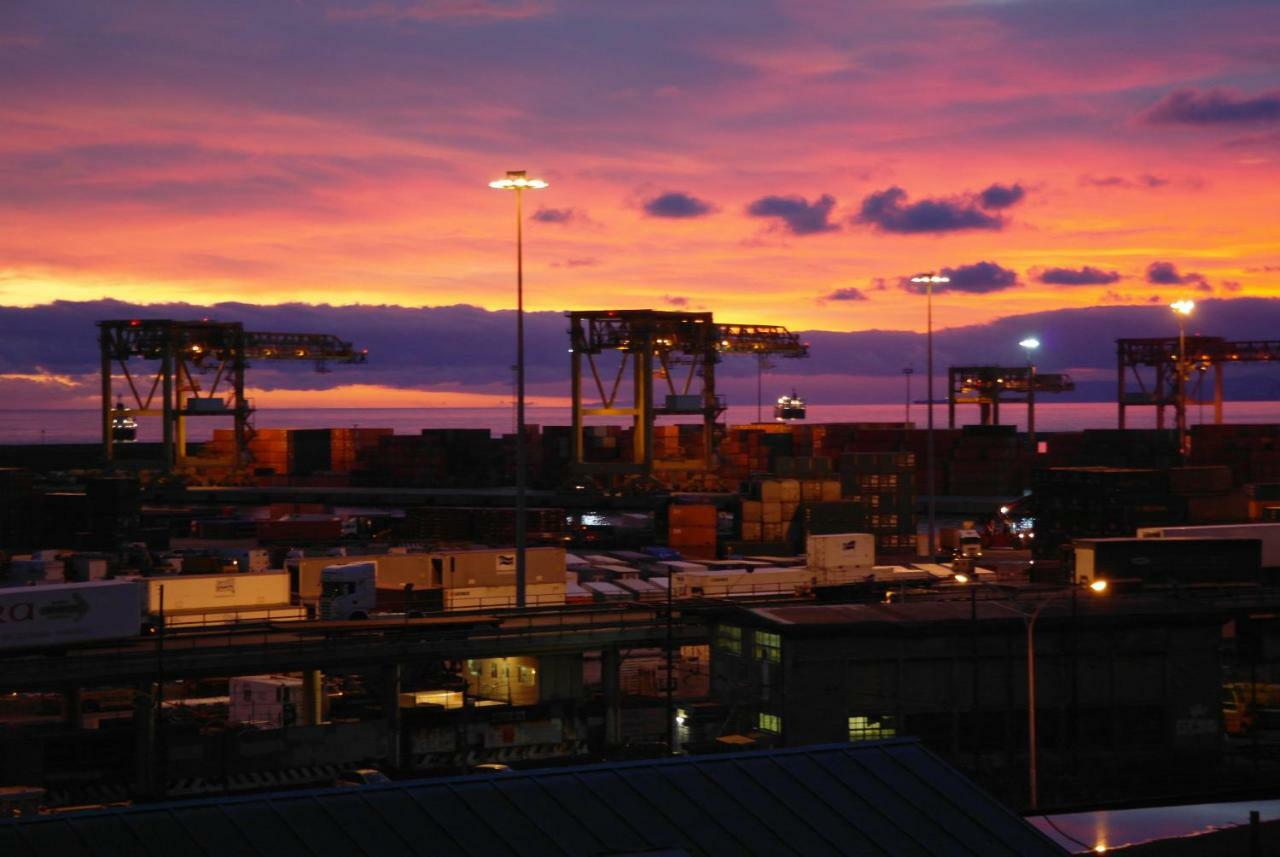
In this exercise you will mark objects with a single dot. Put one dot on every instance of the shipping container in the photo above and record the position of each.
(469, 568)
(842, 550)
(64, 613)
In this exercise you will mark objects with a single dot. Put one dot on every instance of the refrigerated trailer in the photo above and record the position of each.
(66, 613)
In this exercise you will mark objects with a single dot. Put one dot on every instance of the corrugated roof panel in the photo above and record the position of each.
(273, 830)
(109, 835)
(509, 822)
(606, 825)
(705, 834)
(44, 836)
(749, 834)
(810, 823)
(767, 802)
(557, 822)
(874, 798)
(967, 813)
(160, 832)
(655, 829)
(859, 802)
(412, 822)
(472, 826)
(211, 829)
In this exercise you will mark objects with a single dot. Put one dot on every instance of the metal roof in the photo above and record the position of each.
(874, 798)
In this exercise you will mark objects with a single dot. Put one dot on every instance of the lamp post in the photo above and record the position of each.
(1029, 619)
(1182, 309)
(1031, 344)
(929, 280)
(517, 181)
(907, 372)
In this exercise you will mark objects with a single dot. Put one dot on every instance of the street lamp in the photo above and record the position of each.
(1182, 309)
(929, 280)
(1031, 344)
(517, 181)
(1097, 587)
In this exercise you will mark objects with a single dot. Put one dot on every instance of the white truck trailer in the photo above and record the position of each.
(67, 613)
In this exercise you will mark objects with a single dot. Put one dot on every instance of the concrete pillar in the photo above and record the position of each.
(144, 739)
(391, 712)
(312, 698)
(611, 678)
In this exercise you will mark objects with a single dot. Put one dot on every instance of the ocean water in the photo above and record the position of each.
(82, 426)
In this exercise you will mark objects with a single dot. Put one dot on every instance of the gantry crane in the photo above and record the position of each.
(189, 349)
(681, 348)
(988, 386)
(1201, 353)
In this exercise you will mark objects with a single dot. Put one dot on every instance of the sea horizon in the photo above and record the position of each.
(81, 425)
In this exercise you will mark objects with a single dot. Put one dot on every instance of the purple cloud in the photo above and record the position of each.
(676, 204)
(1085, 276)
(556, 215)
(1146, 180)
(999, 196)
(889, 211)
(1166, 274)
(800, 216)
(676, 300)
(846, 294)
(978, 278)
(1215, 107)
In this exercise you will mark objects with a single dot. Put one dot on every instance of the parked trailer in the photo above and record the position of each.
(206, 593)
(1268, 534)
(1169, 560)
(64, 613)
(719, 584)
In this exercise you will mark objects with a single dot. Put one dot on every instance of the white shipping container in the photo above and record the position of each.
(195, 593)
(843, 550)
(61, 613)
(498, 567)
(720, 584)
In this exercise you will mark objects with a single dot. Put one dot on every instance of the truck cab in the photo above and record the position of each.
(348, 591)
(968, 544)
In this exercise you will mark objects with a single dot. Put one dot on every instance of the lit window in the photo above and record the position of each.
(871, 727)
(524, 675)
(473, 667)
(729, 639)
(768, 647)
(769, 723)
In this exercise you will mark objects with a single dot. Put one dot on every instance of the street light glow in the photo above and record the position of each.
(1183, 307)
(931, 278)
(517, 180)
(1030, 343)
(1098, 586)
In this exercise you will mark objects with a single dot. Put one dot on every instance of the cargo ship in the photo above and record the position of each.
(789, 408)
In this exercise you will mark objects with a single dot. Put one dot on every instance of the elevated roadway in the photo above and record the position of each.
(298, 646)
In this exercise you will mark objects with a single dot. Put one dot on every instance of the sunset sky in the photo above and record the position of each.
(772, 162)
